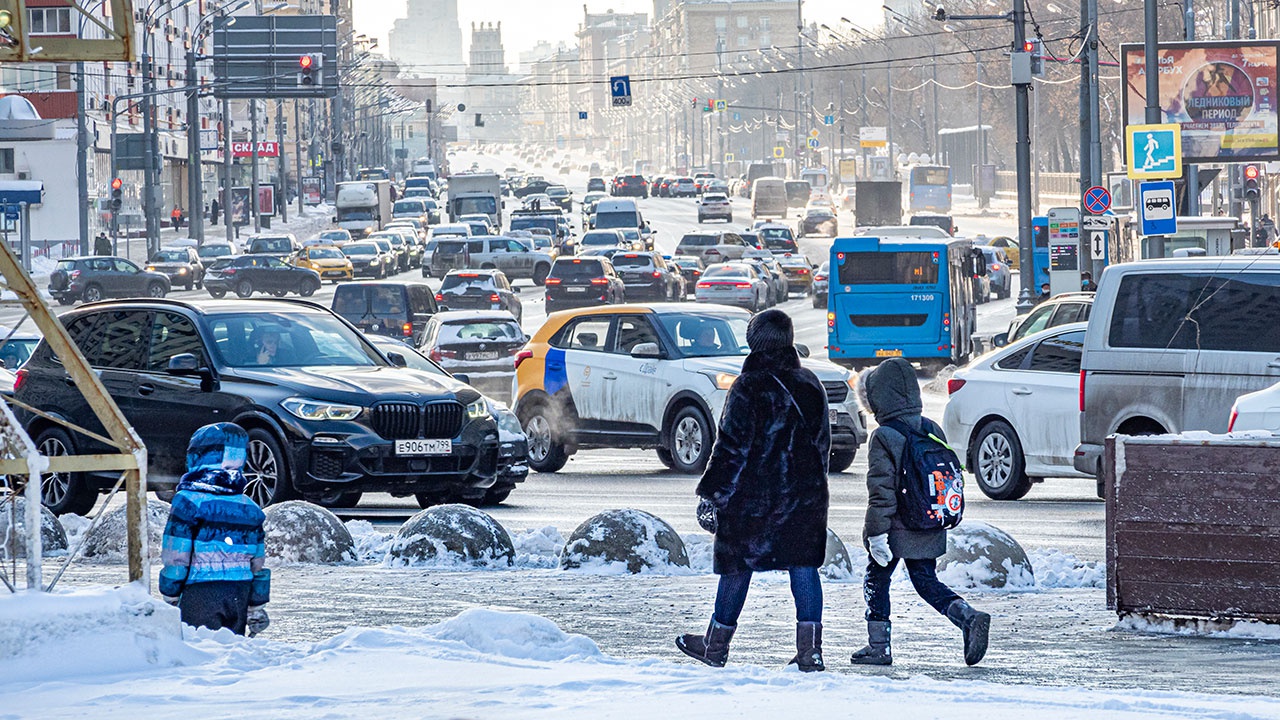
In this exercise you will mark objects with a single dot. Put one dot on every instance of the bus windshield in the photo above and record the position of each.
(889, 268)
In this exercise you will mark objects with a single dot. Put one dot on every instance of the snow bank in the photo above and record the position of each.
(371, 544)
(53, 539)
(1227, 629)
(99, 631)
(451, 536)
(625, 541)
(538, 548)
(1056, 569)
(301, 532)
(515, 635)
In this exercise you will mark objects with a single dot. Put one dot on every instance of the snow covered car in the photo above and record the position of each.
(649, 376)
(477, 345)
(1258, 410)
(1013, 415)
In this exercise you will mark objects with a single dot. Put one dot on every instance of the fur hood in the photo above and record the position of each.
(889, 390)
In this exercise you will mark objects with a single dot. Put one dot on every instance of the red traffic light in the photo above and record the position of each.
(1251, 172)
(306, 62)
(117, 183)
(1029, 46)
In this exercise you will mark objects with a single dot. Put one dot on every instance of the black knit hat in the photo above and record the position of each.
(770, 330)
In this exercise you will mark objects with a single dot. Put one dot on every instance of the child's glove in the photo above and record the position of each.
(879, 548)
(257, 620)
(707, 516)
(170, 599)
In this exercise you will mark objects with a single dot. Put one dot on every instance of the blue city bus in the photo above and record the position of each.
(901, 297)
(1039, 252)
(930, 189)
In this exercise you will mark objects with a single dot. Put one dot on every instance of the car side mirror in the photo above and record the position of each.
(462, 378)
(646, 350)
(515, 289)
(184, 364)
(802, 350)
(397, 359)
(1000, 339)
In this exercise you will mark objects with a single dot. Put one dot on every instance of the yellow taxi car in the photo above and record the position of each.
(326, 260)
(653, 377)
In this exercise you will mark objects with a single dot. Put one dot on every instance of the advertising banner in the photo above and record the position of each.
(1222, 94)
(311, 192)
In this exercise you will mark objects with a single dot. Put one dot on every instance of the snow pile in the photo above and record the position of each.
(700, 547)
(89, 632)
(937, 385)
(625, 541)
(451, 536)
(982, 555)
(109, 539)
(300, 532)
(371, 544)
(53, 539)
(43, 265)
(1226, 629)
(1056, 569)
(515, 635)
(538, 548)
(75, 526)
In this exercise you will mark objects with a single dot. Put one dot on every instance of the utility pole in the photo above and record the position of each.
(1193, 173)
(82, 160)
(227, 164)
(795, 78)
(1151, 39)
(253, 166)
(297, 152)
(1095, 141)
(150, 201)
(195, 191)
(1023, 147)
(282, 167)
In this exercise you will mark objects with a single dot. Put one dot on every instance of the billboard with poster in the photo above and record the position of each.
(311, 191)
(1222, 93)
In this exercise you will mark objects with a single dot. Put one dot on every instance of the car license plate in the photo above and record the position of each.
(424, 447)
(833, 415)
(888, 353)
(481, 355)
(574, 289)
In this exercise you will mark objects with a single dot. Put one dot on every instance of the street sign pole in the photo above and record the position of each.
(1151, 37)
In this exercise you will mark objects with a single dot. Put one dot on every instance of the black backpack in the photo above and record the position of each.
(930, 481)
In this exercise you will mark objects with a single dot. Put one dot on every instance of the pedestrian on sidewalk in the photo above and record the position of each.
(764, 491)
(212, 548)
(176, 216)
(213, 211)
(892, 393)
(102, 244)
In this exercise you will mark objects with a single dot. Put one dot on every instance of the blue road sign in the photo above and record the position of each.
(620, 88)
(1157, 208)
(813, 143)
(828, 119)
(582, 114)
(737, 116)
(1097, 200)
(12, 212)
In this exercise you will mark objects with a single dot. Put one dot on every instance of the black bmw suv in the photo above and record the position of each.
(327, 414)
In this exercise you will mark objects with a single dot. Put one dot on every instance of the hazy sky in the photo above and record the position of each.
(556, 20)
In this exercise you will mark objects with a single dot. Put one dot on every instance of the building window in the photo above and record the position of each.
(722, 22)
(743, 41)
(63, 75)
(49, 21)
(742, 22)
(764, 24)
(6, 161)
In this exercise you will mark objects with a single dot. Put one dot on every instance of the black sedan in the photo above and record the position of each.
(247, 274)
(819, 220)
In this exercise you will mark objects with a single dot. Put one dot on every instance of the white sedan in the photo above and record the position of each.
(1013, 415)
(1257, 411)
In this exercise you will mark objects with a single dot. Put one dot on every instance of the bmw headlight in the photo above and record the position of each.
(507, 421)
(478, 409)
(722, 380)
(305, 409)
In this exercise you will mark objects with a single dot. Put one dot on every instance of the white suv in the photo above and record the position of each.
(649, 376)
(715, 205)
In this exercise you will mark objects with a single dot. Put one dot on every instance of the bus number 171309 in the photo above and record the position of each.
(923, 298)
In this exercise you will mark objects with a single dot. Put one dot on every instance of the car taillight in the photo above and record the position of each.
(552, 281)
(713, 251)
(229, 271)
(74, 274)
(438, 354)
(439, 297)
(407, 329)
(804, 271)
(522, 356)
(742, 285)
(495, 297)
(697, 273)
(994, 266)
(819, 277)
(20, 379)
(953, 385)
(704, 284)
(599, 281)
(657, 274)
(1082, 391)
(1231, 424)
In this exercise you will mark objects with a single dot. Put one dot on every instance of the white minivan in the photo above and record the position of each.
(769, 197)
(1172, 343)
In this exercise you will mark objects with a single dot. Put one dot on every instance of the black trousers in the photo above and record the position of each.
(216, 605)
(924, 577)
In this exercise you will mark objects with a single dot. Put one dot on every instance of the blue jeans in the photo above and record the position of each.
(924, 577)
(731, 595)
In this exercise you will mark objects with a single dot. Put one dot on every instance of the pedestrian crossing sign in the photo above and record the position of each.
(1154, 151)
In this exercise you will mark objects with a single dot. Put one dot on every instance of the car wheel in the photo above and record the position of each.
(664, 457)
(817, 304)
(338, 499)
(156, 290)
(496, 497)
(998, 463)
(64, 300)
(265, 470)
(308, 287)
(63, 493)
(92, 293)
(840, 461)
(199, 285)
(689, 439)
(546, 451)
(218, 293)
(540, 274)
(190, 285)
(244, 288)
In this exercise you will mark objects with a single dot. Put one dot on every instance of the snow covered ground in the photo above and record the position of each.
(480, 663)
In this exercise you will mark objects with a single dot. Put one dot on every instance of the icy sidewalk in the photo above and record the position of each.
(489, 664)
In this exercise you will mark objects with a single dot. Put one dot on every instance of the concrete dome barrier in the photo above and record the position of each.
(109, 540)
(631, 537)
(452, 535)
(838, 563)
(53, 538)
(985, 555)
(302, 532)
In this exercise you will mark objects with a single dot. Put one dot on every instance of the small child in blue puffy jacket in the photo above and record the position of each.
(213, 547)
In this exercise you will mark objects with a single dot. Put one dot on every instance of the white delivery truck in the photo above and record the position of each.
(364, 206)
(471, 193)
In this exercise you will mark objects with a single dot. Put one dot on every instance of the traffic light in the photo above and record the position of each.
(1251, 191)
(1033, 48)
(117, 194)
(310, 70)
